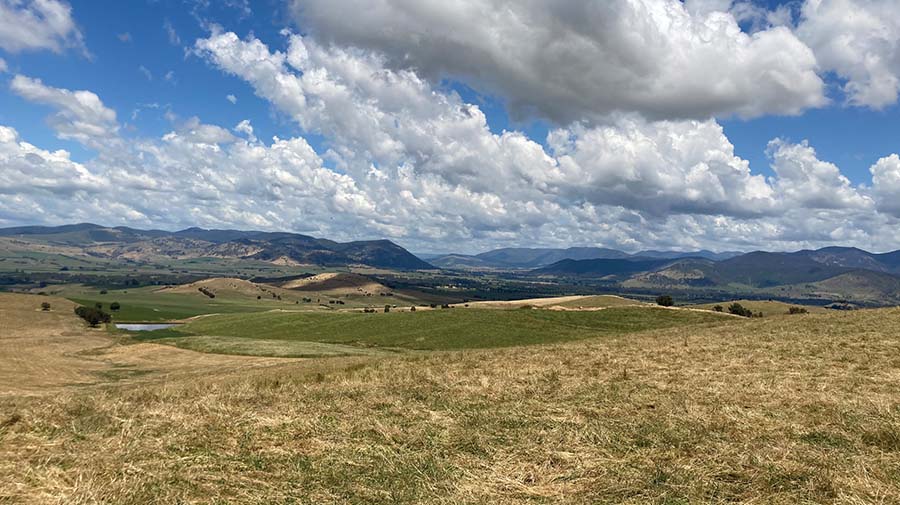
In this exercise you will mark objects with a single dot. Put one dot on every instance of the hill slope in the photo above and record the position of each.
(155, 245)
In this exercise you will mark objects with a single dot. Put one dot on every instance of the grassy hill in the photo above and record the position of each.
(438, 329)
(774, 410)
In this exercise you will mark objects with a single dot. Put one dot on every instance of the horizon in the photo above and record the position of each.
(712, 125)
(447, 253)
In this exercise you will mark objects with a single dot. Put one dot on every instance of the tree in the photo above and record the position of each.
(739, 310)
(387, 308)
(412, 309)
(665, 301)
(798, 310)
(98, 305)
(92, 315)
(718, 308)
(114, 306)
(45, 306)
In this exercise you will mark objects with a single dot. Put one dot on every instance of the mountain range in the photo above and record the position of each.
(156, 245)
(531, 258)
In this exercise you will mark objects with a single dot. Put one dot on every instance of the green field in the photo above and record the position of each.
(430, 330)
(145, 304)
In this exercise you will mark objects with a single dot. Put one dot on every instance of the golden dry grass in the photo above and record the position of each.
(792, 409)
(766, 307)
(43, 352)
(338, 284)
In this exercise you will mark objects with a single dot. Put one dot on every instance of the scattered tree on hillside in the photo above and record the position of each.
(92, 315)
(99, 306)
(718, 308)
(208, 292)
(739, 310)
(45, 306)
(412, 309)
(102, 291)
(665, 301)
(798, 310)
(114, 306)
(387, 308)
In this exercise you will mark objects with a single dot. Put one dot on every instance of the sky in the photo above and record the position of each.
(459, 126)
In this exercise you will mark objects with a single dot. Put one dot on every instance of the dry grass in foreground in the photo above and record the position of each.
(794, 409)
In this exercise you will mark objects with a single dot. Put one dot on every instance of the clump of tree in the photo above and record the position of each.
(718, 308)
(369, 310)
(387, 308)
(114, 306)
(209, 293)
(45, 306)
(92, 315)
(665, 301)
(798, 310)
(739, 310)
(412, 309)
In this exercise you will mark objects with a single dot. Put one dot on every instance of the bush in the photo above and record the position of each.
(665, 301)
(718, 308)
(798, 310)
(45, 306)
(114, 306)
(210, 293)
(739, 310)
(92, 315)
(387, 308)
(99, 306)
(102, 291)
(412, 309)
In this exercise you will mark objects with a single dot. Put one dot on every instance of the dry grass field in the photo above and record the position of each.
(790, 409)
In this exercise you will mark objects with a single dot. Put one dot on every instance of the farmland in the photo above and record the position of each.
(620, 405)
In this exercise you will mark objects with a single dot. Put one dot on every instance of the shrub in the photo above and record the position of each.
(665, 301)
(99, 306)
(387, 308)
(45, 306)
(412, 309)
(718, 308)
(92, 315)
(798, 310)
(114, 306)
(209, 293)
(739, 310)
(102, 291)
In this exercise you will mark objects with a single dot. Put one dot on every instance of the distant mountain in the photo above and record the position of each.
(155, 245)
(693, 254)
(530, 258)
(601, 267)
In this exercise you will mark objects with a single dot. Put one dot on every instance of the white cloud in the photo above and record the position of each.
(80, 115)
(174, 39)
(576, 60)
(805, 181)
(860, 41)
(170, 77)
(2, 66)
(231, 98)
(886, 183)
(146, 72)
(124, 37)
(28, 25)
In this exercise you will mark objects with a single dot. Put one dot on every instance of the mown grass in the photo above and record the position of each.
(445, 329)
(778, 410)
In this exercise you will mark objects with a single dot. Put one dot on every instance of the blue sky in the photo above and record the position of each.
(148, 62)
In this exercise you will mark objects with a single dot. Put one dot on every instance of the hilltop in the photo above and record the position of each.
(338, 284)
(147, 246)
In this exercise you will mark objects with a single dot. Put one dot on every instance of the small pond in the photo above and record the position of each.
(144, 327)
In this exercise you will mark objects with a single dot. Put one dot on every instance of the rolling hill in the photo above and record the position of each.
(147, 246)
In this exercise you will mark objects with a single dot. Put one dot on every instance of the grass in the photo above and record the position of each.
(446, 329)
(766, 307)
(601, 301)
(779, 410)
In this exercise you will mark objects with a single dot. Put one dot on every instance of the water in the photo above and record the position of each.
(144, 327)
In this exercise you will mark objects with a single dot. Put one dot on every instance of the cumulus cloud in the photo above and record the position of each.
(860, 41)
(80, 115)
(886, 183)
(28, 25)
(573, 60)
(808, 182)
(231, 98)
